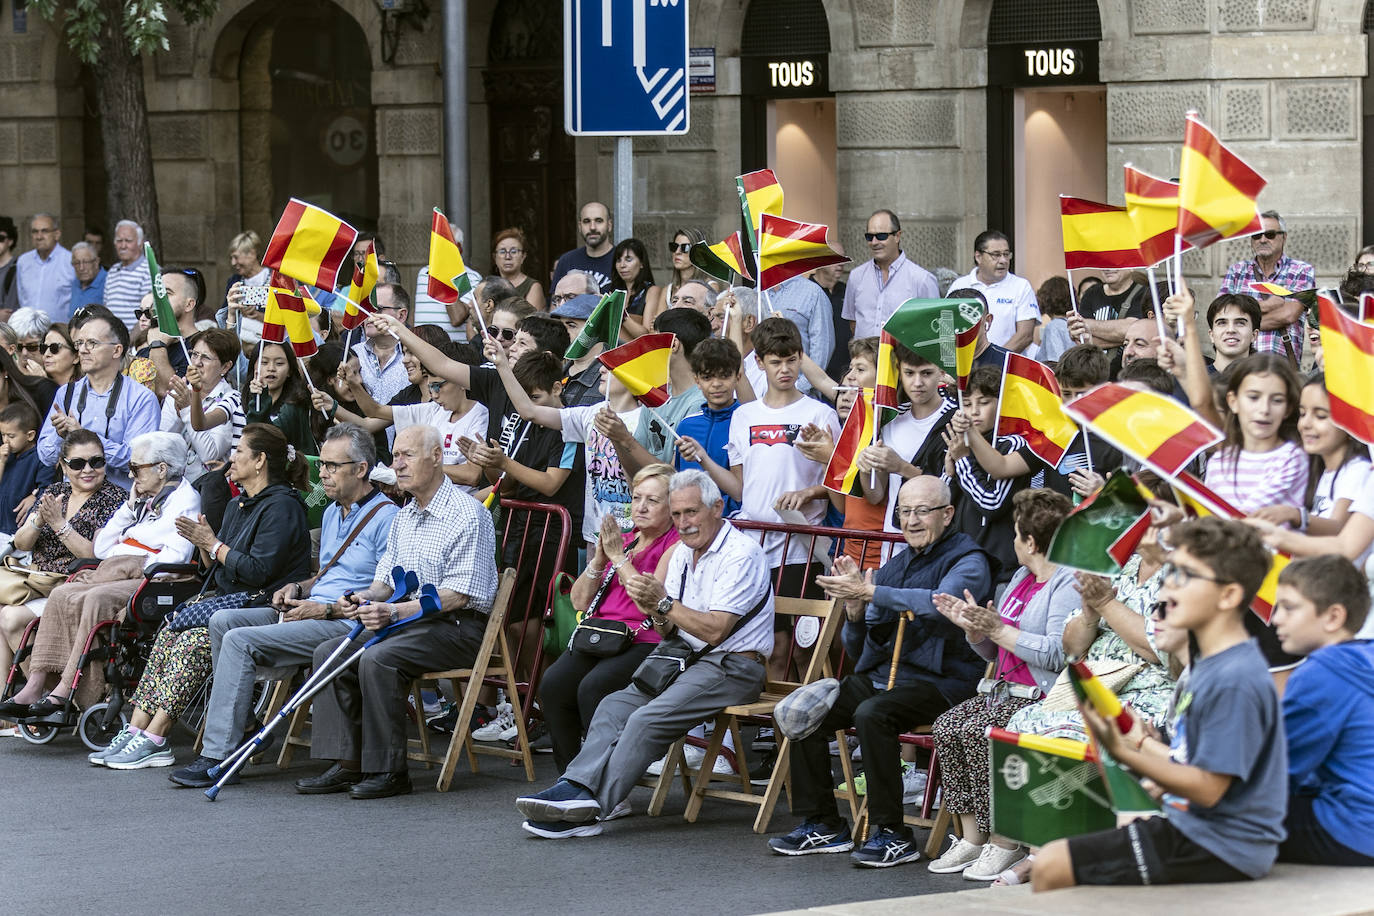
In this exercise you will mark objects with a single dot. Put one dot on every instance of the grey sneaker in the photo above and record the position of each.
(97, 758)
(141, 752)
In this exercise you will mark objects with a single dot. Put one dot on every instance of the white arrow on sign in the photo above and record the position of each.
(665, 93)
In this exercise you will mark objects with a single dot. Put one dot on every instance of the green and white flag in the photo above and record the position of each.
(162, 306)
(1046, 788)
(603, 326)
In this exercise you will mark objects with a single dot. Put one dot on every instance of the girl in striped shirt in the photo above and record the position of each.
(1260, 464)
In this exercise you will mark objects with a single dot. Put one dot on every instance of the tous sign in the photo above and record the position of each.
(785, 74)
(1052, 62)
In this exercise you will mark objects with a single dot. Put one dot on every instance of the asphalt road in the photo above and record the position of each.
(82, 839)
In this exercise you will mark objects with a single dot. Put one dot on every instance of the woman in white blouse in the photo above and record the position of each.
(204, 409)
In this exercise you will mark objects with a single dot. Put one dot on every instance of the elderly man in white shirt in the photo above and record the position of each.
(718, 597)
(1011, 301)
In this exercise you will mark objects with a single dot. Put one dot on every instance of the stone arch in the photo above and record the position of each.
(234, 19)
(964, 23)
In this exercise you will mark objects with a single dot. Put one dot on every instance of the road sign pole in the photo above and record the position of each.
(624, 189)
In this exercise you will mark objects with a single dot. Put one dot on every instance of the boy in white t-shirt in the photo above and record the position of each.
(768, 474)
(454, 416)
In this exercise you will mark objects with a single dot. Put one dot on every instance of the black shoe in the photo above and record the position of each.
(12, 710)
(60, 712)
(334, 779)
(197, 774)
(382, 785)
(763, 771)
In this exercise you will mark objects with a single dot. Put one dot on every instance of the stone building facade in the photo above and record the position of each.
(1283, 82)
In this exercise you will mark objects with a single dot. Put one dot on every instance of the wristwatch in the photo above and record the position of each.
(664, 606)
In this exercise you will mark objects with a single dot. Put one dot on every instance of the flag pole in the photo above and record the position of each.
(305, 373)
(491, 497)
(1087, 450)
(1159, 312)
(1073, 301)
(1178, 268)
(184, 352)
(662, 422)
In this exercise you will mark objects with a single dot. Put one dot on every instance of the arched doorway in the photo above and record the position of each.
(533, 177)
(306, 122)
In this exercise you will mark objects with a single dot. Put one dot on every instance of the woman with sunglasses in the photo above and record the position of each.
(684, 271)
(60, 528)
(141, 533)
(633, 274)
(277, 394)
(60, 362)
(203, 408)
(508, 255)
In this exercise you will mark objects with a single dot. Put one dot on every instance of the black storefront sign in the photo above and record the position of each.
(1069, 63)
(795, 76)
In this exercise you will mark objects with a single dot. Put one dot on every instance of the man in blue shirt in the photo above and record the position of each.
(352, 537)
(44, 273)
(89, 286)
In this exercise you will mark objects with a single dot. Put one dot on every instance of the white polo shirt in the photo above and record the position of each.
(1010, 300)
(731, 576)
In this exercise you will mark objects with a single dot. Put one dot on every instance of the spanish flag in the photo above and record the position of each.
(448, 276)
(309, 244)
(1091, 690)
(1097, 235)
(1152, 428)
(363, 283)
(789, 249)
(842, 471)
(1152, 205)
(724, 259)
(1030, 407)
(642, 366)
(759, 194)
(1348, 352)
(965, 347)
(1216, 188)
(286, 318)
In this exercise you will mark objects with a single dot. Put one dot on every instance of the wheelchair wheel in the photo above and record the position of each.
(38, 734)
(94, 734)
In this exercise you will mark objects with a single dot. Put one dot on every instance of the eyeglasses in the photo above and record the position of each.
(1270, 234)
(559, 300)
(436, 386)
(1179, 576)
(133, 468)
(333, 467)
(997, 255)
(679, 247)
(905, 512)
(82, 262)
(88, 345)
(79, 464)
(199, 358)
(31, 347)
(53, 349)
(509, 252)
(150, 314)
(506, 334)
(879, 236)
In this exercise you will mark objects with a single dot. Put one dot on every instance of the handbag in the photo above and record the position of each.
(674, 655)
(197, 611)
(20, 584)
(599, 637)
(1114, 675)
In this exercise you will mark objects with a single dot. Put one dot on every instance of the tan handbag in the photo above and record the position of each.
(20, 584)
(1114, 676)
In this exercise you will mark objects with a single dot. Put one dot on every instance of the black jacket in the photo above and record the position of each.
(269, 541)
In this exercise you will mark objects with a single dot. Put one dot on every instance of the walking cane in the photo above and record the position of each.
(897, 647)
(404, 583)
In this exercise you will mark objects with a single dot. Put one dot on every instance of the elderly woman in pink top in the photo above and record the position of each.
(575, 685)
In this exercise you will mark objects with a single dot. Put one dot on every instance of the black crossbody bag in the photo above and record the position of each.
(601, 638)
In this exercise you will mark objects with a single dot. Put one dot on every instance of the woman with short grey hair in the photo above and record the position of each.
(30, 326)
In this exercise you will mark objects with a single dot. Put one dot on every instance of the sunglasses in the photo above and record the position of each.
(149, 314)
(506, 334)
(679, 247)
(878, 236)
(79, 464)
(1270, 234)
(52, 349)
(436, 387)
(31, 347)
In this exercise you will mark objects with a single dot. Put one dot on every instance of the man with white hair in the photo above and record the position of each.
(44, 272)
(89, 286)
(128, 279)
(719, 600)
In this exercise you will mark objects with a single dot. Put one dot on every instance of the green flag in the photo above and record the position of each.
(1045, 788)
(162, 306)
(930, 328)
(1128, 795)
(603, 325)
(1102, 532)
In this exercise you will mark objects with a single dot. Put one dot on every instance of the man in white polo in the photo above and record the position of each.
(1011, 301)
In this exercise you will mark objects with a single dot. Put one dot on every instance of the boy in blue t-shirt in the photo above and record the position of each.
(1223, 776)
(1328, 712)
(716, 365)
(19, 464)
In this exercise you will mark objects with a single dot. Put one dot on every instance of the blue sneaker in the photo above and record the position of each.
(813, 837)
(887, 848)
(561, 831)
(562, 802)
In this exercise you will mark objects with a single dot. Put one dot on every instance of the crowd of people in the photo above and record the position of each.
(298, 485)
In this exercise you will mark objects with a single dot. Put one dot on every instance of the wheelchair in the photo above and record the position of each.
(122, 646)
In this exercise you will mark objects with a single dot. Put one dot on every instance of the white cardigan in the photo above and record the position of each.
(126, 529)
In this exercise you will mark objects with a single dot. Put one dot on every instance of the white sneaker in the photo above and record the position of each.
(493, 730)
(913, 782)
(141, 752)
(656, 768)
(957, 857)
(695, 756)
(993, 861)
(622, 809)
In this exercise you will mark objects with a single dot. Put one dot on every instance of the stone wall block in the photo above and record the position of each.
(898, 120)
(883, 23)
(38, 142)
(180, 57)
(177, 136)
(1153, 112)
(702, 132)
(1325, 110)
(1168, 17)
(21, 57)
(410, 132)
(1266, 15)
(1244, 111)
(9, 144)
(183, 238)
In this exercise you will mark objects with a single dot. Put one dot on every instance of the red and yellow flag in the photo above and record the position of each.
(309, 244)
(1217, 190)
(789, 249)
(724, 259)
(759, 194)
(1060, 747)
(286, 319)
(642, 366)
(360, 289)
(888, 391)
(448, 275)
(1030, 407)
(1091, 690)
(1152, 205)
(1348, 354)
(842, 471)
(965, 348)
(1152, 428)
(1097, 235)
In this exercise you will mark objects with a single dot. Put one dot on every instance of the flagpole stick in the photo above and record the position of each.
(725, 322)
(305, 372)
(184, 352)
(1159, 312)
(257, 372)
(960, 392)
(1178, 269)
(1073, 302)
(654, 413)
(1087, 450)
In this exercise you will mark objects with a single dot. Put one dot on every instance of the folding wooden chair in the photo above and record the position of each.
(761, 711)
(494, 654)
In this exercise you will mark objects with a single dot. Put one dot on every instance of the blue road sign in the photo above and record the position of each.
(625, 67)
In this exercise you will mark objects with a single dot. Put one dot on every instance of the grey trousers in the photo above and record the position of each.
(632, 729)
(242, 640)
(362, 714)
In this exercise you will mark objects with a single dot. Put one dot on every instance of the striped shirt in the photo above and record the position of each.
(125, 287)
(1290, 273)
(1252, 480)
(207, 445)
